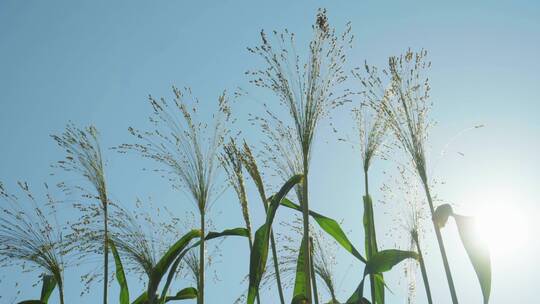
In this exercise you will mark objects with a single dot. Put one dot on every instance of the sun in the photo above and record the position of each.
(503, 227)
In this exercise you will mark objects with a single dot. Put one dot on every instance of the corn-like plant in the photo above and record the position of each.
(188, 150)
(406, 110)
(306, 91)
(30, 236)
(231, 159)
(371, 128)
(83, 156)
(250, 163)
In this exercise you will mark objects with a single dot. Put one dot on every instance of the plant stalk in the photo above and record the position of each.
(371, 276)
(276, 267)
(441, 246)
(200, 297)
(251, 249)
(105, 252)
(60, 290)
(313, 277)
(305, 217)
(274, 251)
(422, 268)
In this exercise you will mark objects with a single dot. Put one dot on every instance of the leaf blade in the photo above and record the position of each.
(331, 227)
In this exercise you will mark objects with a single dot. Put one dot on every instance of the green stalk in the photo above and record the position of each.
(250, 240)
(60, 289)
(422, 267)
(105, 253)
(305, 216)
(200, 297)
(371, 276)
(274, 251)
(313, 277)
(441, 246)
(276, 267)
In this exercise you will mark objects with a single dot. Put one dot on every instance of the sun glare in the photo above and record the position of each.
(503, 227)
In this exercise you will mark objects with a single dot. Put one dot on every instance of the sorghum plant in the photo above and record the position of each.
(188, 150)
(30, 238)
(406, 113)
(83, 155)
(306, 91)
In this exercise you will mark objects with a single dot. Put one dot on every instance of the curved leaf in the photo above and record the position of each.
(184, 294)
(477, 251)
(330, 226)
(167, 259)
(358, 295)
(384, 260)
(49, 283)
(300, 290)
(120, 275)
(211, 235)
(259, 253)
(442, 212)
(141, 299)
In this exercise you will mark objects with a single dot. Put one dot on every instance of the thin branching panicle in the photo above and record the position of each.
(83, 155)
(188, 150)
(30, 235)
(231, 159)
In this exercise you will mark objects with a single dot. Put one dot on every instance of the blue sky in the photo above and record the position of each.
(96, 62)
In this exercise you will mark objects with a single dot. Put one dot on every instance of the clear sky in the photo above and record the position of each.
(97, 61)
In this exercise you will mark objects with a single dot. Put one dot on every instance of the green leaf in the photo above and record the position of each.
(384, 260)
(330, 226)
(478, 252)
(358, 295)
(184, 294)
(442, 212)
(49, 283)
(167, 259)
(380, 262)
(120, 275)
(259, 252)
(300, 290)
(32, 302)
(227, 232)
(211, 235)
(370, 240)
(379, 288)
(141, 299)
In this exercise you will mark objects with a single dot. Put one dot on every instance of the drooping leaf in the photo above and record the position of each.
(167, 259)
(478, 252)
(442, 212)
(240, 231)
(184, 294)
(211, 235)
(384, 260)
(380, 262)
(259, 253)
(330, 226)
(120, 275)
(49, 283)
(300, 289)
